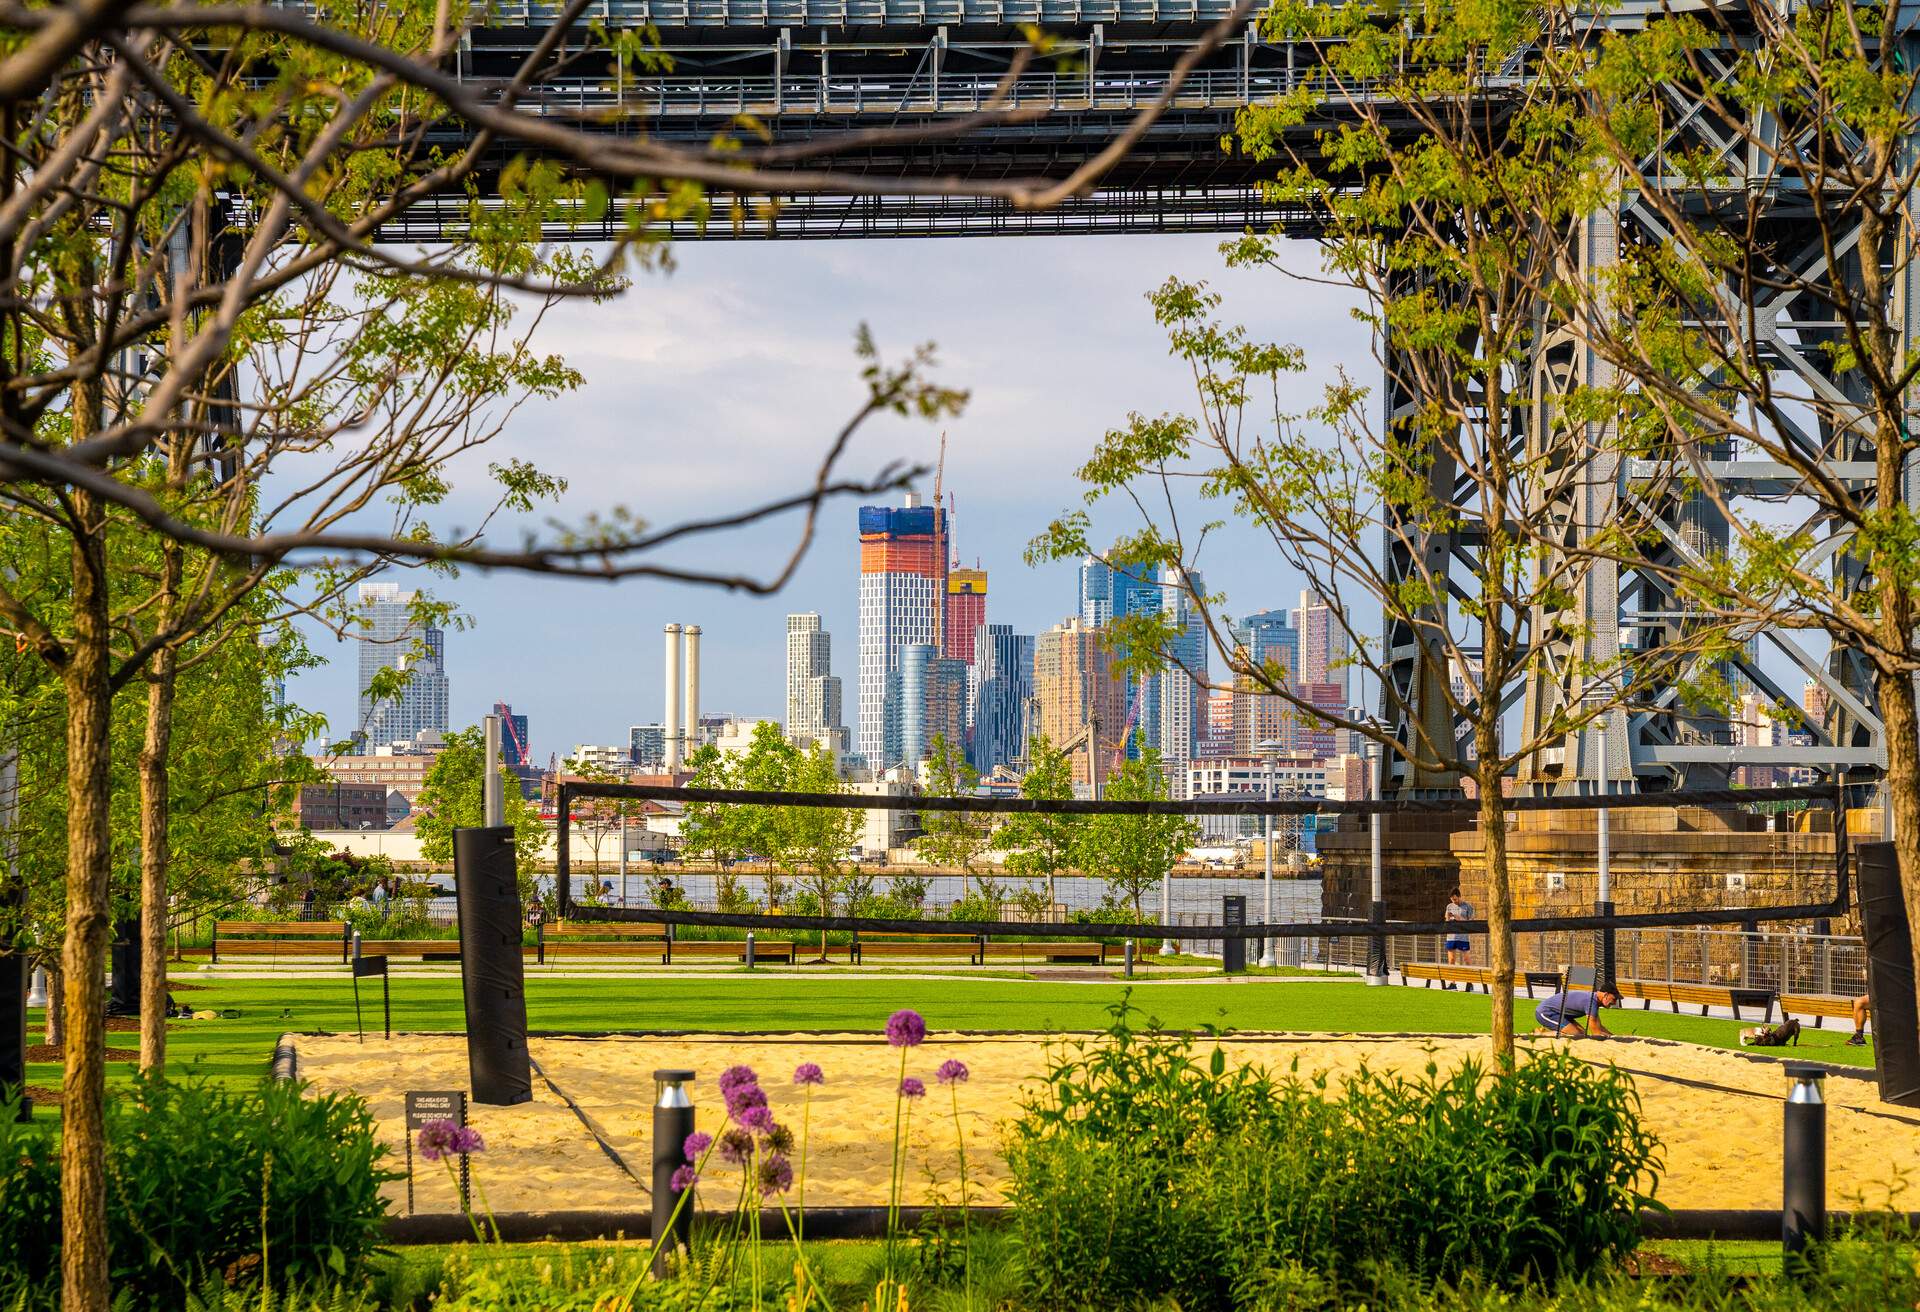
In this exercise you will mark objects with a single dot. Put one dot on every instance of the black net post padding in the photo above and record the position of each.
(492, 981)
(13, 1024)
(562, 853)
(1896, 1028)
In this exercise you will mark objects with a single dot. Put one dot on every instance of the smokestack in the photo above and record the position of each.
(670, 722)
(692, 707)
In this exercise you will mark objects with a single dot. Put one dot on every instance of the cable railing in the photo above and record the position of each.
(704, 95)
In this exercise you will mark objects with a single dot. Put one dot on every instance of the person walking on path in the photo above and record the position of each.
(1456, 945)
(1861, 1006)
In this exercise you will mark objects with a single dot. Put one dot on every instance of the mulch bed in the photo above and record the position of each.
(1643, 1263)
(42, 1096)
(178, 986)
(47, 1052)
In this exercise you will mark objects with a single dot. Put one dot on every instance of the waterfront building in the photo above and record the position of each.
(903, 569)
(393, 638)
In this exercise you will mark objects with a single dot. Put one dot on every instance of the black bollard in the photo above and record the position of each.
(749, 949)
(1803, 1183)
(672, 1123)
(1129, 958)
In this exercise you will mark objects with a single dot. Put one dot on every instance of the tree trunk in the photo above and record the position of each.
(56, 1005)
(1493, 828)
(154, 849)
(89, 696)
(1898, 713)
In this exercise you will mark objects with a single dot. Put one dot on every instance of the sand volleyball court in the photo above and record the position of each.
(1717, 1112)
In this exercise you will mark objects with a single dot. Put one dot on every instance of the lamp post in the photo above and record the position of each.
(1377, 909)
(1269, 748)
(1604, 941)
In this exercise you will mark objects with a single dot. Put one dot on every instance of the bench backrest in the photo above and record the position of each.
(281, 928)
(606, 931)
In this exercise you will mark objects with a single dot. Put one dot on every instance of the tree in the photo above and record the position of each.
(954, 840)
(711, 828)
(1461, 517)
(1770, 321)
(450, 798)
(814, 840)
(599, 818)
(1133, 853)
(1041, 846)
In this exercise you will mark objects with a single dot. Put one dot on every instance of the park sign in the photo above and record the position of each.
(424, 1108)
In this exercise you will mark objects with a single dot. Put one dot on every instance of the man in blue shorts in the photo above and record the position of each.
(1575, 1013)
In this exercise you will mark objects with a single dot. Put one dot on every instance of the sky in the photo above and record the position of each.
(719, 384)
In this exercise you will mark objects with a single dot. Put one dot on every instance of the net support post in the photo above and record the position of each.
(1803, 1161)
(1377, 944)
(672, 1228)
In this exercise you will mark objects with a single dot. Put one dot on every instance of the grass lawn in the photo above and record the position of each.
(239, 1049)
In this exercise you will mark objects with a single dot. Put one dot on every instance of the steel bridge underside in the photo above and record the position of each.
(794, 72)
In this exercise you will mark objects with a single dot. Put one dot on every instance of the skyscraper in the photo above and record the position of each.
(513, 735)
(1082, 702)
(1175, 699)
(1269, 636)
(926, 695)
(647, 744)
(903, 567)
(813, 690)
(1003, 685)
(393, 639)
(1323, 644)
(966, 612)
(1106, 593)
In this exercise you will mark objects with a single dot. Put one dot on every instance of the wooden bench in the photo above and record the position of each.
(602, 939)
(1093, 952)
(1704, 996)
(426, 949)
(1431, 973)
(914, 945)
(777, 950)
(278, 938)
(1817, 1005)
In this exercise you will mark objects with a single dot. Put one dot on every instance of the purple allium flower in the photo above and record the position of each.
(436, 1140)
(735, 1147)
(912, 1088)
(776, 1175)
(951, 1072)
(743, 1099)
(905, 1029)
(737, 1077)
(696, 1143)
(780, 1139)
(809, 1073)
(684, 1179)
(759, 1119)
(466, 1139)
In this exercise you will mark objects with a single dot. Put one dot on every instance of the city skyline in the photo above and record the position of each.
(582, 659)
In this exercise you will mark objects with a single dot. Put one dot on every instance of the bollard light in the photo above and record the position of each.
(1803, 1183)
(672, 1123)
(1129, 958)
(749, 949)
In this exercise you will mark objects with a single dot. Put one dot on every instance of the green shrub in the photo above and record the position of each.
(193, 1172)
(1140, 1169)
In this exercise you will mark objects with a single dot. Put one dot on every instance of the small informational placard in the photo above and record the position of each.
(425, 1107)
